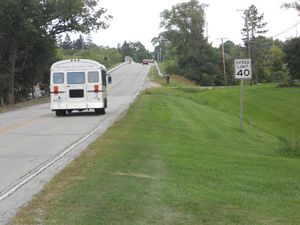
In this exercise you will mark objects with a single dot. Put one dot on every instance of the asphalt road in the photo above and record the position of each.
(35, 144)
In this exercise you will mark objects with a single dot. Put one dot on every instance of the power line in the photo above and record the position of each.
(274, 36)
(286, 30)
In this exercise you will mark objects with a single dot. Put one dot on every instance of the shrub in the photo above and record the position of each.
(286, 81)
(279, 75)
(290, 146)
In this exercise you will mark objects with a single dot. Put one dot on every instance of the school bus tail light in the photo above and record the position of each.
(96, 88)
(55, 91)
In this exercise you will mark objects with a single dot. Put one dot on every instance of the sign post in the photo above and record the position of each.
(242, 71)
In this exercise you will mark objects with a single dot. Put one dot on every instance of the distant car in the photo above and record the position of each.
(145, 62)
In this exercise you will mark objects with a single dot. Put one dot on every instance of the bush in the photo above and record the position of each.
(290, 146)
(279, 75)
(170, 66)
(286, 81)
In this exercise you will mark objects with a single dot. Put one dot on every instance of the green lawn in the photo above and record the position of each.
(179, 157)
(274, 110)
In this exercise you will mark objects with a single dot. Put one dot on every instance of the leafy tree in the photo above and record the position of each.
(184, 26)
(104, 55)
(187, 47)
(232, 52)
(140, 52)
(136, 51)
(125, 50)
(24, 22)
(277, 63)
(261, 60)
(36, 66)
(292, 57)
(161, 47)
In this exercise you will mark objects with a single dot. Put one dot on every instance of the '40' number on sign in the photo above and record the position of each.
(244, 72)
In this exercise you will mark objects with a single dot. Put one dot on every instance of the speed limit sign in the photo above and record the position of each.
(243, 69)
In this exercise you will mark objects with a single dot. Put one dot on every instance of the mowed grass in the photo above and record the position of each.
(179, 157)
(274, 110)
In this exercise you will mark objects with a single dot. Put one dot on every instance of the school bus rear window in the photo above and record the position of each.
(58, 78)
(93, 77)
(76, 77)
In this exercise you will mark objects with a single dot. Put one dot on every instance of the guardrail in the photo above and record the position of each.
(158, 70)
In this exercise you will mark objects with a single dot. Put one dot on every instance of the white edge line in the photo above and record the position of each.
(58, 157)
(68, 149)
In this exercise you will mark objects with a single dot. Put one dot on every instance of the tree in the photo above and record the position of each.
(136, 50)
(292, 57)
(184, 25)
(140, 52)
(23, 22)
(161, 47)
(294, 5)
(67, 43)
(36, 66)
(125, 50)
(15, 27)
(188, 49)
(277, 63)
(253, 24)
(253, 27)
(232, 52)
(79, 43)
(89, 40)
(104, 55)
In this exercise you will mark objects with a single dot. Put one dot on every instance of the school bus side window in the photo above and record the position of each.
(76, 77)
(93, 77)
(104, 77)
(58, 78)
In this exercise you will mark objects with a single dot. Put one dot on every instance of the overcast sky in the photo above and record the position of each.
(138, 20)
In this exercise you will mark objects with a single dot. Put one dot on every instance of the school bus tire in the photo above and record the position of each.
(60, 112)
(100, 111)
(105, 103)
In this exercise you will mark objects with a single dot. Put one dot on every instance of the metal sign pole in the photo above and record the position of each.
(241, 103)
(242, 71)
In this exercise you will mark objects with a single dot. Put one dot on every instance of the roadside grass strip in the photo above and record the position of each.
(36, 101)
(179, 157)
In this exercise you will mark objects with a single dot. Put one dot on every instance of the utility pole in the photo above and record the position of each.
(224, 63)
(248, 39)
(249, 45)
(223, 60)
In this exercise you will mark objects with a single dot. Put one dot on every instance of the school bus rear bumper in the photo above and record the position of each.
(76, 106)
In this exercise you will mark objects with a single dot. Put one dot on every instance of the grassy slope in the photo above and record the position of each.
(274, 110)
(178, 157)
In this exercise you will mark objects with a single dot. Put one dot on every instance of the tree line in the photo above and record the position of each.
(28, 31)
(35, 33)
(185, 50)
(136, 50)
(30, 41)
